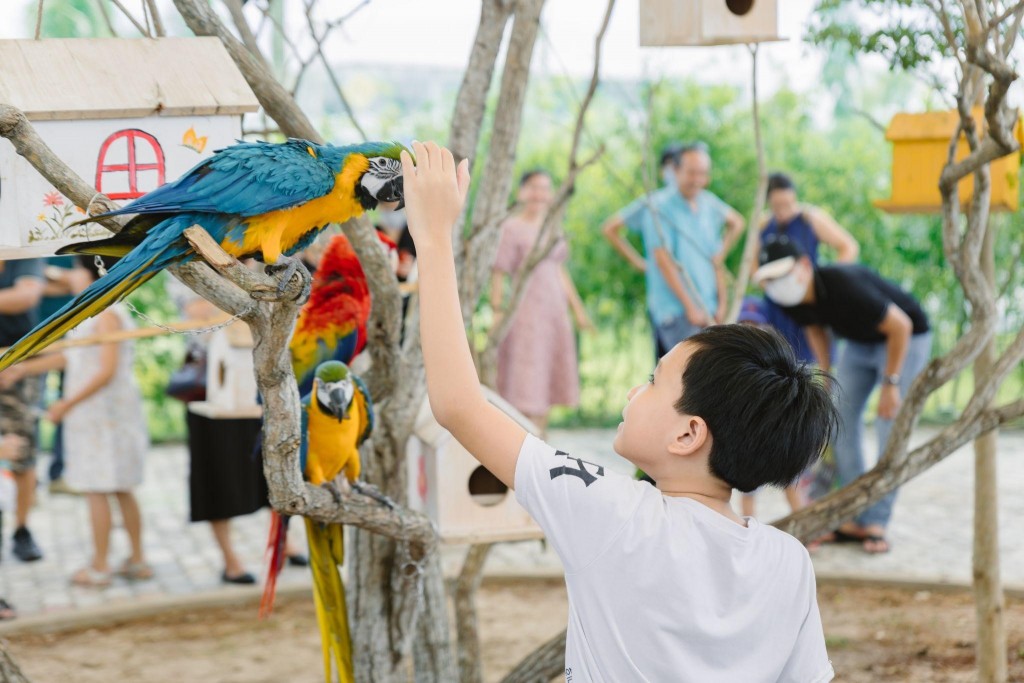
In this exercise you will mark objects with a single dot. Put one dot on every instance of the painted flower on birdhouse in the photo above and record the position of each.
(54, 220)
(193, 141)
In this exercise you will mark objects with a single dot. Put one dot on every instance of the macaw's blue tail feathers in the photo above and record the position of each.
(326, 553)
(123, 278)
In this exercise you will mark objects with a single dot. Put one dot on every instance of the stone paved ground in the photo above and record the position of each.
(931, 534)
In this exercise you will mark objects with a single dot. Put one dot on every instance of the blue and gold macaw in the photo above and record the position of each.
(337, 416)
(255, 199)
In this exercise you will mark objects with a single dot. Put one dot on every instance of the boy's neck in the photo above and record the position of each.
(710, 495)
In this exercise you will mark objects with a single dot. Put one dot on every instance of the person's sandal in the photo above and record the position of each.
(876, 541)
(135, 571)
(7, 610)
(87, 577)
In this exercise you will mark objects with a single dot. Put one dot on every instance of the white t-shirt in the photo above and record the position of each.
(666, 589)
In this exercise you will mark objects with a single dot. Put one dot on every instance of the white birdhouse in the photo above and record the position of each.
(126, 115)
(708, 22)
(466, 502)
(230, 378)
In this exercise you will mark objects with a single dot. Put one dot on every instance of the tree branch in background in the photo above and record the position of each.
(496, 179)
(335, 83)
(106, 17)
(124, 10)
(158, 22)
(753, 239)
(245, 31)
(551, 229)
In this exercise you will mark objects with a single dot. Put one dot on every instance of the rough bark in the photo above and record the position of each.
(471, 101)
(991, 647)
(496, 180)
(467, 636)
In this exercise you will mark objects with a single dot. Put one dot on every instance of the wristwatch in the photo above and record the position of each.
(892, 380)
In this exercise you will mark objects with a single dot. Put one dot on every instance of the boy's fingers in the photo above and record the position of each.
(422, 158)
(462, 173)
(447, 160)
(435, 155)
(408, 168)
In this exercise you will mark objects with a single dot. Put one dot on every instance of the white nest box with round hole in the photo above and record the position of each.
(666, 23)
(230, 377)
(466, 502)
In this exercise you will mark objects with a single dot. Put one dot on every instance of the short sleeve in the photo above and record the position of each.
(635, 213)
(809, 662)
(580, 506)
(30, 267)
(718, 207)
(510, 251)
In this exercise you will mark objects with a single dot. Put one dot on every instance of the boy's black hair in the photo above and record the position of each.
(88, 262)
(769, 415)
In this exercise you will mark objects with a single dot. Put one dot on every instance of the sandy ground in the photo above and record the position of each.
(876, 635)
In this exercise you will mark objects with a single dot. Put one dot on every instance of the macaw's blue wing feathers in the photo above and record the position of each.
(246, 180)
(124, 277)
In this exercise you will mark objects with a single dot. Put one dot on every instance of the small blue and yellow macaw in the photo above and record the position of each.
(255, 199)
(337, 416)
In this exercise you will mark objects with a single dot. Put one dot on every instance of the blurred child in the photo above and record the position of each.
(105, 436)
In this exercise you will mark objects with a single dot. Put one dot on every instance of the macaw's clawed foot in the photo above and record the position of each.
(333, 489)
(373, 492)
(286, 268)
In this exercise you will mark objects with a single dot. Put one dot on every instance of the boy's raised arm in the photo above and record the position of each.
(435, 192)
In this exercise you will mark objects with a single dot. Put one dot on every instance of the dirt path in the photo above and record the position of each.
(874, 635)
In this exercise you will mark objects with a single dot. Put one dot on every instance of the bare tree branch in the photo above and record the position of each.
(124, 10)
(158, 22)
(335, 83)
(245, 31)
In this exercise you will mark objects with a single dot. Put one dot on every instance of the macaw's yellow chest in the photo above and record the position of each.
(274, 233)
(331, 444)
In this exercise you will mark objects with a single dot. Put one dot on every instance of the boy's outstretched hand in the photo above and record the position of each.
(435, 192)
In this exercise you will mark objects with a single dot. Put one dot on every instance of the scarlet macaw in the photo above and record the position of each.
(255, 199)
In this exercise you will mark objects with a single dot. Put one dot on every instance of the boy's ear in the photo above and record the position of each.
(691, 437)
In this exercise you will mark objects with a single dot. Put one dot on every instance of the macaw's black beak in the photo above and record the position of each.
(337, 405)
(393, 191)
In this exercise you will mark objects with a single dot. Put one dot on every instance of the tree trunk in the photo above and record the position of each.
(465, 613)
(988, 591)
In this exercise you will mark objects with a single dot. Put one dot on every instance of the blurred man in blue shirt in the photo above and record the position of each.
(682, 231)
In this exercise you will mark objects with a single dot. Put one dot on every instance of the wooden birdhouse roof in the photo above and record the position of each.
(102, 78)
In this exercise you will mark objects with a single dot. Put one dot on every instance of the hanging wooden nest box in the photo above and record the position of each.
(466, 502)
(230, 379)
(127, 115)
(920, 148)
(708, 22)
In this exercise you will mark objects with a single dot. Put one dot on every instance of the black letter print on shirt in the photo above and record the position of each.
(579, 470)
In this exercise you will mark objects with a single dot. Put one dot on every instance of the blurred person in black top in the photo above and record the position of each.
(888, 343)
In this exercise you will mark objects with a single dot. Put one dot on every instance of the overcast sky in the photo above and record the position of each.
(440, 32)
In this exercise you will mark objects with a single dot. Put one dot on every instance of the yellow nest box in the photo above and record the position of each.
(708, 22)
(920, 147)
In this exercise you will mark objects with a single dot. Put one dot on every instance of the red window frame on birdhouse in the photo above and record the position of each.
(133, 136)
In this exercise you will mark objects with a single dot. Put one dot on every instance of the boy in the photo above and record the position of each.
(665, 583)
